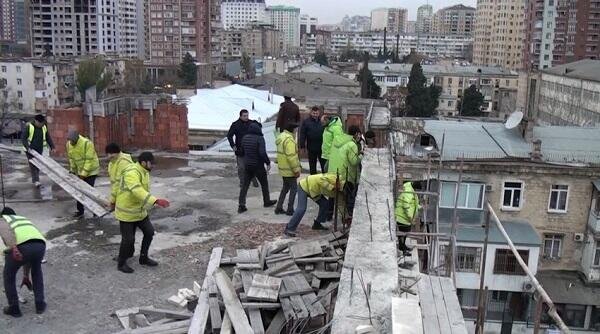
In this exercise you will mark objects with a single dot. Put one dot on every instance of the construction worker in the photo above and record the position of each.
(119, 161)
(131, 210)
(83, 162)
(333, 128)
(26, 247)
(319, 188)
(289, 168)
(407, 209)
(344, 160)
(35, 136)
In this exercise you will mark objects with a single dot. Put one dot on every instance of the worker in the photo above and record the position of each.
(333, 127)
(288, 113)
(35, 136)
(131, 210)
(288, 163)
(239, 129)
(319, 188)
(119, 161)
(344, 160)
(26, 247)
(83, 162)
(407, 209)
(311, 139)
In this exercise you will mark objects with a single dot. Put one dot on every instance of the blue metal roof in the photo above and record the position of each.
(520, 232)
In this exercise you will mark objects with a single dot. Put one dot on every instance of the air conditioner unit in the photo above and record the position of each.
(489, 188)
(578, 237)
(528, 287)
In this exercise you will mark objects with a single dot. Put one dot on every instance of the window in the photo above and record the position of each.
(512, 196)
(449, 103)
(19, 93)
(19, 81)
(470, 195)
(18, 69)
(596, 262)
(506, 263)
(3, 69)
(559, 195)
(552, 246)
(468, 259)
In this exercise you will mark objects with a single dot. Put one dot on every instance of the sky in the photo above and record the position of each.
(332, 11)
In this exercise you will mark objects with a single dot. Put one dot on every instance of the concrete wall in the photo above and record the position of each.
(27, 86)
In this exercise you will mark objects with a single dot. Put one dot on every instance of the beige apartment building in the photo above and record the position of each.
(499, 33)
(255, 42)
(454, 20)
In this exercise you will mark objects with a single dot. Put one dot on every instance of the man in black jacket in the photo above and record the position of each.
(239, 129)
(289, 112)
(311, 139)
(35, 136)
(255, 157)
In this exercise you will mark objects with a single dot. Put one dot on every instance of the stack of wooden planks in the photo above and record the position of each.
(151, 320)
(280, 287)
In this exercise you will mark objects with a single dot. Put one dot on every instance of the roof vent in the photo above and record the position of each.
(536, 154)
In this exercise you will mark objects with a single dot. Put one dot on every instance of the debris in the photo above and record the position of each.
(99, 233)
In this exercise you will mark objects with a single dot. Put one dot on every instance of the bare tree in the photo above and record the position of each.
(9, 103)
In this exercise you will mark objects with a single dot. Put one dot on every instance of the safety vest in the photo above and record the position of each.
(332, 130)
(31, 130)
(320, 185)
(23, 229)
(133, 197)
(115, 170)
(83, 159)
(287, 155)
(407, 205)
(344, 158)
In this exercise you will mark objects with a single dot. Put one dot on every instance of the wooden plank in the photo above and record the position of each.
(310, 299)
(256, 322)
(428, 309)
(226, 327)
(438, 298)
(455, 316)
(266, 306)
(200, 317)
(316, 283)
(291, 271)
(277, 324)
(326, 274)
(233, 306)
(213, 305)
(265, 288)
(287, 308)
(165, 313)
(247, 277)
(141, 320)
(278, 249)
(280, 267)
(253, 314)
(306, 249)
(263, 256)
(329, 259)
(247, 256)
(248, 266)
(164, 328)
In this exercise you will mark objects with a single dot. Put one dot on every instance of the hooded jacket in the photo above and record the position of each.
(115, 170)
(253, 147)
(407, 205)
(334, 128)
(344, 158)
(319, 185)
(288, 113)
(83, 160)
(287, 155)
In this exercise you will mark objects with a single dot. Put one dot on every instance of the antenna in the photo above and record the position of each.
(513, 120)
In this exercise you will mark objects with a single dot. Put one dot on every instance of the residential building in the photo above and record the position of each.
(499, 33)
(209, 32)
(330, 80)
(260, 41)
(287, 20)
(355, 23)
(454, 20)
(14, 28)
(542, 183)
(499, 86)
(308, 24)
(238, 14)
(394, 20)
(559, 32)
(379, 19)
(424, 17)
(411, 27)
(567, 94)
(7, 26)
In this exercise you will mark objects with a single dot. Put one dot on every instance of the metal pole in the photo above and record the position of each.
(552, 309)
(539, 306)
(2, 181)
(480, 314)
(437, 253)
(455, 222)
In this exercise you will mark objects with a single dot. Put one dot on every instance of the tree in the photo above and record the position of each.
(372, 90)
(8, 103)
(321, 58)
(471, 103)
(92, 72)
(246, 64)
(188, 71)
(422, 100)
(135, 77)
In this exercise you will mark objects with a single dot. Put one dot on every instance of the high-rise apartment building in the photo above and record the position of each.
(424, 17)
(254, 41)
(395, 20)
(238, 14)
(308, 24)
(499, 33)
(7, 25)
(559, 32)
(287, 20)
(454, 20)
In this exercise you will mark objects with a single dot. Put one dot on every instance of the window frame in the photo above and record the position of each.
(476, 260)
(508, 253)
(522, 196)
(469, 184)
(553, 237)
(559, 191)
(596, 258)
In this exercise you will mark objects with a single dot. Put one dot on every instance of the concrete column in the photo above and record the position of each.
(588, 317)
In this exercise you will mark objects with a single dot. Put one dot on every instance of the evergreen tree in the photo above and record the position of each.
(246, 64)
(472, 101)
(373, 90)
(422, 100)
(321, 58)
(188, 71)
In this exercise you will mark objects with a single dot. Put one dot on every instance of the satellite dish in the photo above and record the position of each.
(513, 120)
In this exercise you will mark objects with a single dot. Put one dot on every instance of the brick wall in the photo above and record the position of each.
(166, 130)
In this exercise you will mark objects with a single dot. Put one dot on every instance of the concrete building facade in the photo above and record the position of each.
(287, 20)
(499, 33)
(395, 20)
(454, 20)
(424, 19)
(255, 42)
(238, 14)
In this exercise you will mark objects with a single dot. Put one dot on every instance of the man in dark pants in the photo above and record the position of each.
(255, 156)
(239, 129)
(311, 139)
(83, 161)
(131, 210)
(26, 247)
(35, 136)
(288, 113)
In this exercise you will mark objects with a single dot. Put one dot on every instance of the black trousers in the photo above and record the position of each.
(250, 173)
(33, 252)
(128, 238)
(313, 156)
(402, 239)
(290, 184)
(350, 193)
(91, 180)
(35, 172)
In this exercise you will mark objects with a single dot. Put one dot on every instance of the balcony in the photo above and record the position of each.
(594, 221)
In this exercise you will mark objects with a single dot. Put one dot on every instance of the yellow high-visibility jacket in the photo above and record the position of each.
(22, 229)
(407, 205)
(115, 170)
(287, 155)
(134, 198)
(332, 130)
(344, 158)
(83, 159)
(320, 185)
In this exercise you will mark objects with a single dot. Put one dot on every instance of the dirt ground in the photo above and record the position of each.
(83, 286)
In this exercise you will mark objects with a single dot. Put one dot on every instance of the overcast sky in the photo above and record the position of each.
(332, 11)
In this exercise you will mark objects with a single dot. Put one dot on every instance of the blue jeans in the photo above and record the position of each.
(33, 252)
(301, 210)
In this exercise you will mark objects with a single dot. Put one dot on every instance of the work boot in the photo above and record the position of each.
(13, 311)
(242, 209)
(319, 226)
(290, 212)
(40, 307)
(288, 233)
(78, 215)
(123, 267)
(279, 211)
(146, 261)
(270, 203)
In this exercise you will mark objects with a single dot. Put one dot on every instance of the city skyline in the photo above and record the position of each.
(329, 12)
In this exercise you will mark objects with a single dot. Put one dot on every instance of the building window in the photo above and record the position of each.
(19, 93)
(470, 195)
(18, 69)
(512, 196)
(449, 103)
(552, 246)
(505, 262)
(19, 81)
(597, 254)
(559, 196)
(3, 69)
(468, 259)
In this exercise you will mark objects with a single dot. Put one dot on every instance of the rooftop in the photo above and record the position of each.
(313, 68)
(442, 69)
(282, 84)
(326, 79)
(520, 232)
(567, 287)
(586, 69)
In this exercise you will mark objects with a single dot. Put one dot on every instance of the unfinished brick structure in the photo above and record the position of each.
(165, 128)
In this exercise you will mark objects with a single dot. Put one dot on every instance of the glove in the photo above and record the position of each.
(26, 282)
(163, 203)
(297, 174)
(16, 254)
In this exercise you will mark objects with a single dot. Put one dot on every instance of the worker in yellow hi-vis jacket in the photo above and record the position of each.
(83, 162)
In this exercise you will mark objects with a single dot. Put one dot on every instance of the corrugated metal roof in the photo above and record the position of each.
(520, 232)
(587, 69)
(442, 69)
(566, 287)
(569, 144)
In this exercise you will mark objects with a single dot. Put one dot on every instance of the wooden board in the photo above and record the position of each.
(233, 306)
(247, 256)
(226, 327)
(305, 249)
(287, 308)
(455, 316)
(440, 305)
(165, 313)
(200, 317)
(310, 299)
(428, 308)
(280, 267)
(173, 327)
(253, 314)
(276, 324)
(264, 288)
(326, 274)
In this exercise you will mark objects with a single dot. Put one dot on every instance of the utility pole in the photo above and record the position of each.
(384, 42)
(398, 47)
(539, 306)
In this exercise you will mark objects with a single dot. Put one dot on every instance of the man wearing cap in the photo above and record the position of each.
(26, 247)
(35, 136)
(288, 113)
(83, 161)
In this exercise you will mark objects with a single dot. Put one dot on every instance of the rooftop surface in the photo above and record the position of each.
(282, 85)
(567, 287)
(442, 69)
(312, 68)
(587, 69)
(327, 79)
(520, 232)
